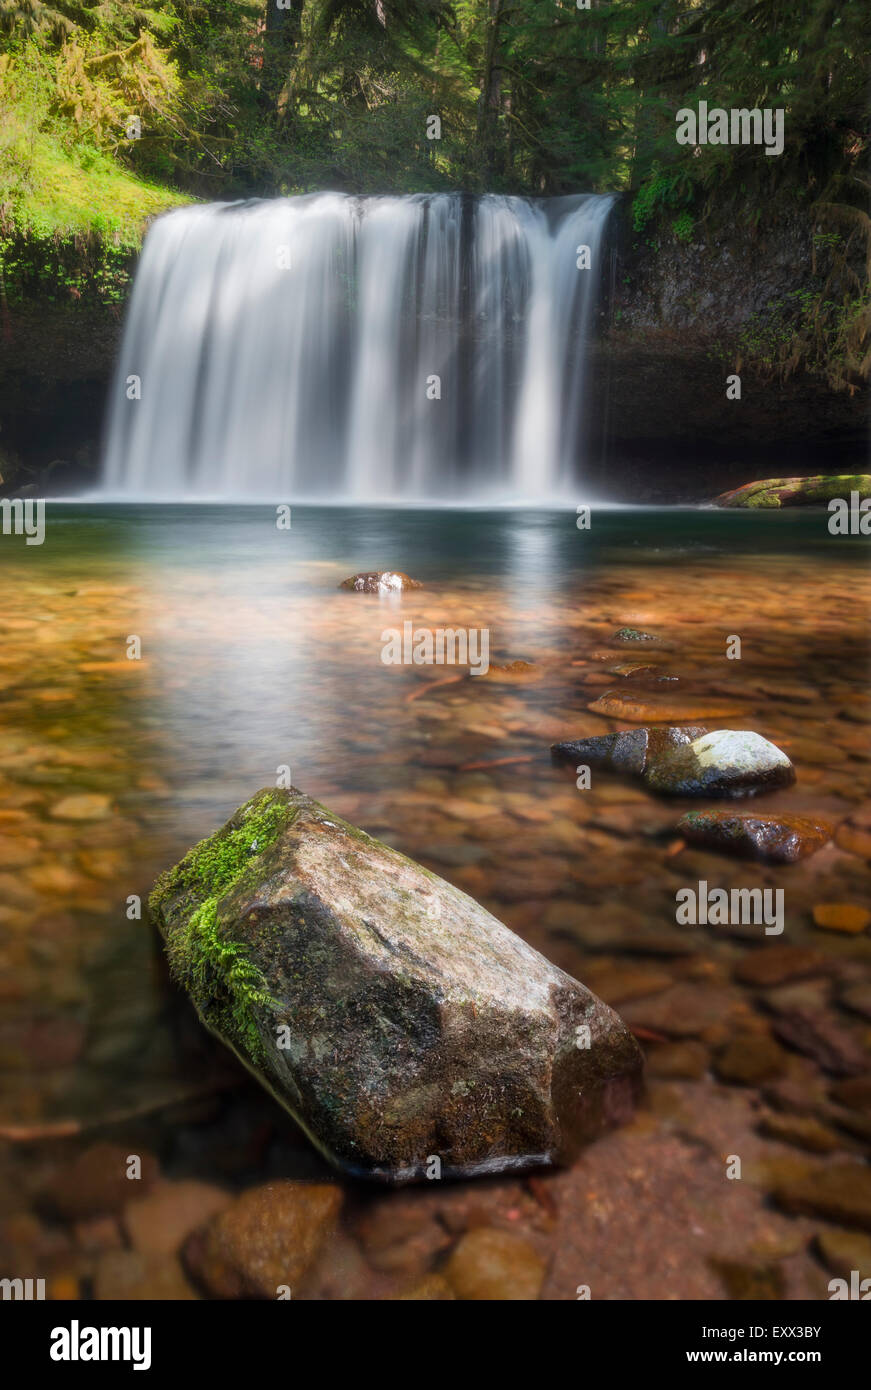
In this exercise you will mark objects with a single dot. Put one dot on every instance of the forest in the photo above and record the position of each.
(112, 112)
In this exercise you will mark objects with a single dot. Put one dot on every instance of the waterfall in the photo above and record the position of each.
(428, 346)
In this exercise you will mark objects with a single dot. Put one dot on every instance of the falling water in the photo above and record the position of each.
(380, 348)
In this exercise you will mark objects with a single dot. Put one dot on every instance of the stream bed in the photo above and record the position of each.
(254, 665)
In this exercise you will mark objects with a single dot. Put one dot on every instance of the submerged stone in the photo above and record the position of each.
(840, 1193)
(403, 1026)
(380, 582)
(774, 839)
(489, 1264)
(727, 762)
(627, 751)
(267, 1238)
(851, 918)
(645, 707)
(633, 634)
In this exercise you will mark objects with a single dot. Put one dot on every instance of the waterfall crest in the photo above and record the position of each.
(426, 346)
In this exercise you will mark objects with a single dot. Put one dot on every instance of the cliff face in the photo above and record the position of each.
(678, 317)
(55, 370)
(681, 317)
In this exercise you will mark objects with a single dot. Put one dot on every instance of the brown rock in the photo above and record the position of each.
(750, 1281)
(160, 1222)
(819, 1037)
(96, 1182)
(857, 999)
(617, 982)
(628, 751)
(840, 1193)
(433, 1289)
(267, 1238)
(844, 1251)
(490, 1264)
(652, 709)
(98, 1233)
(770, 839)
(855, 1093)
(843, 917)
(774, 965)
(403, 1241)
(684, 1011)
(678, 1060)
(84, 806)
(749, 1059)
(128, 1276)
(803, 1131)
(854, 839)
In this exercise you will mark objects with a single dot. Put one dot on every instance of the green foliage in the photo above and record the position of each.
(684, 227)
(660, 192)
(534, 97)
(805, 329)
(238, 98)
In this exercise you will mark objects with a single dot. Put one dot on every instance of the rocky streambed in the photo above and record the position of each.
(757, 1047)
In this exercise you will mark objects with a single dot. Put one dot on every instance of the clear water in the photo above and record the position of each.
(253, 658)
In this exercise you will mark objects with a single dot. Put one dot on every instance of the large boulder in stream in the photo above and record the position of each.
(395, 1018)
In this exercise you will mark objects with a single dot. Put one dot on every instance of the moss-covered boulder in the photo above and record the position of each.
(796, 492)
(391, 1014)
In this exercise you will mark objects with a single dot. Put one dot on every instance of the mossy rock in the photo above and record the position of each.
(394, 1017)
(796, 492)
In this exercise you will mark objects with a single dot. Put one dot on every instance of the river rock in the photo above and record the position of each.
(727, 762)
(802, 1131)
(851, 918)
(432, 1289)
(489, 1264)
(854, 1093)
(840, 1193)
(815, 1034)
(160, 1222)
(772, 839)
(843, 1251)
(633, 634)
(775, 965)
(96, 1181)
(668, 709)
(749, 1059)
(380, 582)
(795, 492)
(856, 999)
(267, 1238)
(393, 1016)
(627, 751)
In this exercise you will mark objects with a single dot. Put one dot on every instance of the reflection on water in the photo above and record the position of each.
(252, 659)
